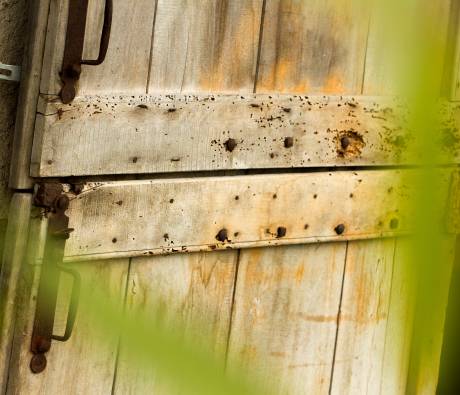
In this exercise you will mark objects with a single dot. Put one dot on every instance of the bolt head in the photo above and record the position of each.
(340, 229)
(38, 363)
(222, 236)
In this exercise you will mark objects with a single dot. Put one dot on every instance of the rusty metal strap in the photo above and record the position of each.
(74, 44)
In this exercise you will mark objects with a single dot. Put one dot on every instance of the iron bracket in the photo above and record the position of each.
(10, 72)
(74, 43)
(52, 198)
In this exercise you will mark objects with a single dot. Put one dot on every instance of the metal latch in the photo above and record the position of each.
(74, 43)
(51, 197)
(9, 72)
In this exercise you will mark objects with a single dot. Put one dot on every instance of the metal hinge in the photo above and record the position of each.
(74, 43)
(9, 72)
(52, 198)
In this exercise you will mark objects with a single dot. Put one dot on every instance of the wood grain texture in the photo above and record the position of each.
(85, 363)
(205, 46)
(147, 134)
(185, 215)
(126, 66)
(10, 274)
(194, 293)
(285, 316)
(363, 317)
(313, 46)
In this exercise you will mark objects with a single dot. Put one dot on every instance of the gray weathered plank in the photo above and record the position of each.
(313, 46)
(183, 215)
(360, 349)
(205, 46)
(194, 294)
(285, 316)
(147, 134)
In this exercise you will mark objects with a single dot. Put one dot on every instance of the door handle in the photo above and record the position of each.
(74, 44)
(51, 197)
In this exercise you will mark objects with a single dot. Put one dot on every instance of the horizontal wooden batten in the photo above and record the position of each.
(137, 218)
(159, 134)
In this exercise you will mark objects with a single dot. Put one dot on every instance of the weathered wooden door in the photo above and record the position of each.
(227, 159)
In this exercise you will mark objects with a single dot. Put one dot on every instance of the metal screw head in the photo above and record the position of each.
(230, 145)
(222, 236)
(340, 229)
(38, 363)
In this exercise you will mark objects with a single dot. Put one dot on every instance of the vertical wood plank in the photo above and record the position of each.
(285, 316)
(194, 291)
(315, 46)
(126, 67)
(86, 363)
(205, 46)
(398, 333)
(360, 344)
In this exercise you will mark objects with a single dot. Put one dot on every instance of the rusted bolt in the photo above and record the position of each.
(222, 236)
(345, 142)
(394, 223)
(38, 363)
(281, 232)
(288, 142)
(340, 229)
(230, 145)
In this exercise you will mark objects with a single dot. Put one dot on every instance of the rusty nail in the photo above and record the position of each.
(394, 223)
(345, 142)
(114, 240)
(222, 236)
(230, 145)
(340, 229)
(288, 142)
(281, 232)
(38, 363)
